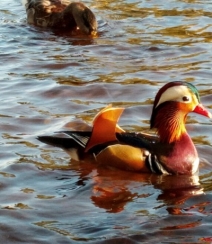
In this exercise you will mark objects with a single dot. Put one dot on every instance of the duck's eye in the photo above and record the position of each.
(186, 99)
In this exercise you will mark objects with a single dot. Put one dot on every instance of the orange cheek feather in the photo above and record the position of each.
(186, 107)
(105, 126)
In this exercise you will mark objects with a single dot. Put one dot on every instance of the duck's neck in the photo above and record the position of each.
(176, 150)
(169, 121)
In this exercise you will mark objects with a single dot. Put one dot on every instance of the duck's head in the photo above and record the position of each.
(84, 18)
(172, 104)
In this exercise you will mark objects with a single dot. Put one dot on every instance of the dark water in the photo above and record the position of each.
(49, 79)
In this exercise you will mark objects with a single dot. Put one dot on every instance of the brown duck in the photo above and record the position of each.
(61, 14)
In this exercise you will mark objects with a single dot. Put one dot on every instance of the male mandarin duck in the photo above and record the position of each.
(61, 14)
(171, 151)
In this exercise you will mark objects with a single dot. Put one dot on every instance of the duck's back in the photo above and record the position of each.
(39, 11)
(47, 5)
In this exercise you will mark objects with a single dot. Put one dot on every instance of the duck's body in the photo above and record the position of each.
(62, 14)
(170, 152)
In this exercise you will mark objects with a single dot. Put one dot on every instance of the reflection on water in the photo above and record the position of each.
(52, 79)
(112, 192)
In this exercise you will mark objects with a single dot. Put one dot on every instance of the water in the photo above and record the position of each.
(50, 79)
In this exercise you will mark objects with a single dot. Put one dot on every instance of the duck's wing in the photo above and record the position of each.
(81, 138)
(130, 151)
(75, 139)
(136, 139)
(74, 144)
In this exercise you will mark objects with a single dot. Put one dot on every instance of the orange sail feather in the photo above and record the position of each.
(105, 126)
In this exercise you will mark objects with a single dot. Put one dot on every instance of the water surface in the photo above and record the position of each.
(49, 79)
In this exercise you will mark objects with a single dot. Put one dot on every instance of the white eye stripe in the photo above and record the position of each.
(175, 93)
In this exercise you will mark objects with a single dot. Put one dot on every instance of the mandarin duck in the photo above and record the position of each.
(61, 14)
(169, 151)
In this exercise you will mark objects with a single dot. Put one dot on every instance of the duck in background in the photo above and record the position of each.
(171, 151)
(61, 14)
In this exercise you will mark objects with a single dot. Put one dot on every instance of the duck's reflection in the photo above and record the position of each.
(113, 189)
(176, 189)
(76, 38)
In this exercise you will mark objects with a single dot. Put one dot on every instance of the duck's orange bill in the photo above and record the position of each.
(105, 126)
(200, 109)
